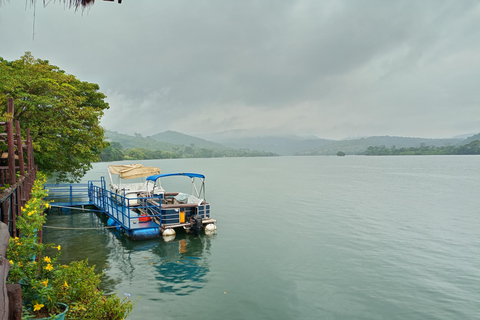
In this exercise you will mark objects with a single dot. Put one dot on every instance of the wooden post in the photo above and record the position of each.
(5, 207)
(4, 237)
(19, 148)
(4, 268)
(29, 151)
(21, 189)
(14, 291)
(11, 147)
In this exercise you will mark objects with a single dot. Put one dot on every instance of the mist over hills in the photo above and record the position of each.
(167, 145)
(471, 138)
(178, 138)
(296, 145)
(358, 146)
(286, 145)
(137, 141)
(281, 145)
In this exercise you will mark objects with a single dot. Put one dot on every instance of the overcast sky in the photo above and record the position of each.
(333, 69)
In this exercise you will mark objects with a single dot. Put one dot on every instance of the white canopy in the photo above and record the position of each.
(131, 171)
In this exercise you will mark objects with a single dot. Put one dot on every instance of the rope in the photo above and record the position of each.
(64, 228)
(74, 208)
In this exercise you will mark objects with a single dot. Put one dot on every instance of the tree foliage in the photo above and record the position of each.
(116, 152)
(469, 148)
(61, 111)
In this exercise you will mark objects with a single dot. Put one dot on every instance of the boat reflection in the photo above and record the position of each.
(182, 263)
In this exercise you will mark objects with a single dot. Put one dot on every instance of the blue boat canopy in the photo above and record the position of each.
(191, 175)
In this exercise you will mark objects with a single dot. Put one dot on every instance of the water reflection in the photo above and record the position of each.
(183, 264)
(176, 267)
(81, 237)
(179, 266)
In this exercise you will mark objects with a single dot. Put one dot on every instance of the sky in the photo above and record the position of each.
(328, 68)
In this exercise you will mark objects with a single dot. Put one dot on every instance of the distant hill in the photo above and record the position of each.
(137, 141)
(178, 138)
(470, 139)
(167, 145)
(229, 145)
(464, 136)
(359, 146)
(283, 145)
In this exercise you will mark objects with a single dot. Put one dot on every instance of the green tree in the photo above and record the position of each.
(114, 152)
(471, 148)
(189, 150)
(136, 154)
(61, 111)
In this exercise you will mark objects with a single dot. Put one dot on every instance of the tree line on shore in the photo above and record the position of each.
(116, 152)
(470, 148)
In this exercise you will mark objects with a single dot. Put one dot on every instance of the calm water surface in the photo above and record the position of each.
(304, 238)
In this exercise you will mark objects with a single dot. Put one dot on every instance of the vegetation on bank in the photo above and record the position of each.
(116, 152)
(470, 148)
(46, 283)
(62, 113)
(359, 146)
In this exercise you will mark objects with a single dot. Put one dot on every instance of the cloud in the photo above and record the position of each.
(331, 68)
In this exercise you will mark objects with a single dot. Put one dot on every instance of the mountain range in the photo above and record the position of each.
(282, 145)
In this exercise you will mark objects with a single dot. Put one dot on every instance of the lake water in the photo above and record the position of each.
(350, 237)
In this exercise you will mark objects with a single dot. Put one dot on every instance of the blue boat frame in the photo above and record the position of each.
(147, 220)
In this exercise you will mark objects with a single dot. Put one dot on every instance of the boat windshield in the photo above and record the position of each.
(197, 183)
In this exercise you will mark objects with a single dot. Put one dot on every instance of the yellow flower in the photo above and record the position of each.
(47, 205)
(20, 264)
(49, 267)
(58, 247)
(47, 259)
(65, 284)
(30, 213)
(26, 206)
(11, 262)
(16, 238)
(38, 306)
(45, 283)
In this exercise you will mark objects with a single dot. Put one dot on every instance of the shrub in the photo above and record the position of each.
(46, 283)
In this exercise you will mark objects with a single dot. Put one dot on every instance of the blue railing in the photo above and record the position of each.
(117, 206)
(119, 209)
(67, 194)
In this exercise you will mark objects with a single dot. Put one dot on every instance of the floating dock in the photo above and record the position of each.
(150, 217)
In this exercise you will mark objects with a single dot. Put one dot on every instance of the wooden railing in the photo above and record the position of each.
(16, 176)
(16, 182)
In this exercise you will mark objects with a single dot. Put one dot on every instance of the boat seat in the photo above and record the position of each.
(179, 205)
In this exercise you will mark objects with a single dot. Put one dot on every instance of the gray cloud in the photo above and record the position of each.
(330, 68)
